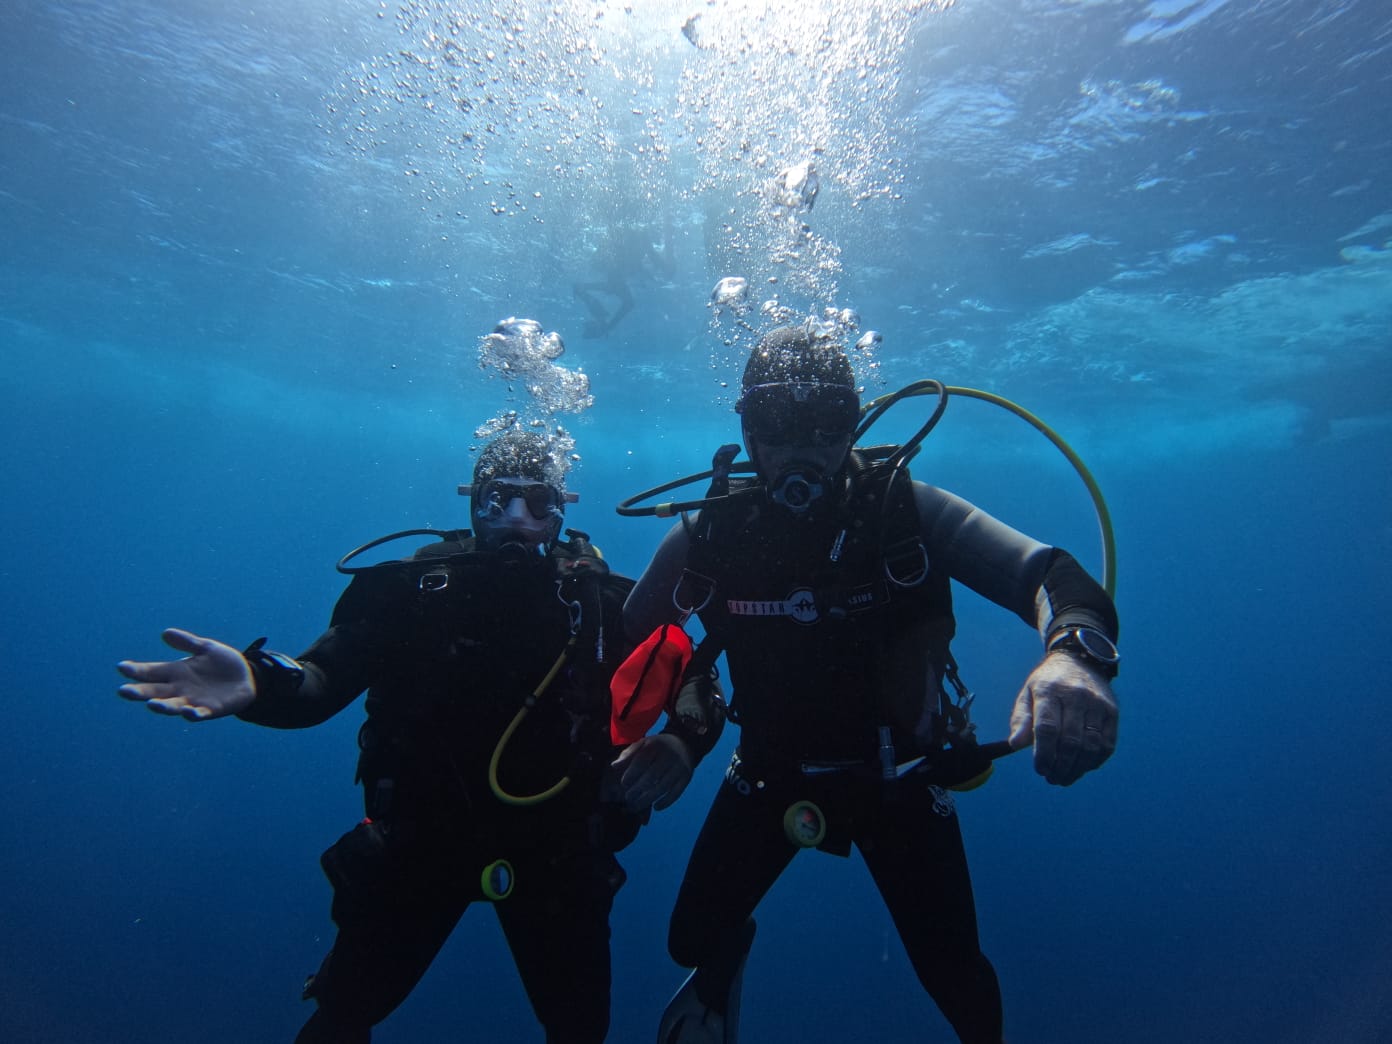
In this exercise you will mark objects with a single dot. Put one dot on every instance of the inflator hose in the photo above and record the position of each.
(1099, 504)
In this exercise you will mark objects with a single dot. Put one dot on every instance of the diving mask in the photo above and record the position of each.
(493, 497)
(798, 413)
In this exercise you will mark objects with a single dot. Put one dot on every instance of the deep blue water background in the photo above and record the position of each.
(248, 254)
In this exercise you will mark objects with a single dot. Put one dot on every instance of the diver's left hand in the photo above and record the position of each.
(1069, 712)
(655, 770)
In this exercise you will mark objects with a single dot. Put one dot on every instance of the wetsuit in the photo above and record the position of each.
(448, 646)
(823, 651)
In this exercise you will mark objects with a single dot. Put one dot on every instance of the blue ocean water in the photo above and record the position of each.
(249, 254)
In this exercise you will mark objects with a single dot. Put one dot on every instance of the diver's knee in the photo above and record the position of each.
(682, 947)
(700, 940)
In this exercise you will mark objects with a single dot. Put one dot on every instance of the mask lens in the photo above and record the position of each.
(800, 414)
(540, 498)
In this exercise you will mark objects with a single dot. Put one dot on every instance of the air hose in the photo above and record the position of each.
(871, 412)
(1099, 504)
(517, 719)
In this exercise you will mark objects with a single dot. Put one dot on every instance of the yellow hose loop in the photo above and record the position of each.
(1104, 517)
(551, 791)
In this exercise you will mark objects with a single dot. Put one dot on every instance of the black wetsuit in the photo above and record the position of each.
(449, 646)
(823, 651)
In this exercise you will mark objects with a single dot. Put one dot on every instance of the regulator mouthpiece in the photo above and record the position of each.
(798, 490)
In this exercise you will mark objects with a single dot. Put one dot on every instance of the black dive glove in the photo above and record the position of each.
(697, 714)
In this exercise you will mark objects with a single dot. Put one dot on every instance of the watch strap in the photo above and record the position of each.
(1071, 640)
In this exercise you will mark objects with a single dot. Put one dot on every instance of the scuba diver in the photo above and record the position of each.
(826, 582)
(625, 253)
(486, 760)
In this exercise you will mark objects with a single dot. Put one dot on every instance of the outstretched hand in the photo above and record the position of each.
(213, 681)
(656, 770)
(1068, 711)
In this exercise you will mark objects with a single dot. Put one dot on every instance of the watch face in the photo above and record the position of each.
(1097, 645)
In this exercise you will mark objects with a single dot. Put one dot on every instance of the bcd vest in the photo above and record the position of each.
(466, 636)
(833, 624)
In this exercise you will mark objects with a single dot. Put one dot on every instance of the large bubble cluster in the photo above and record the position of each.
(522, 353)
(789, 105)
(769, 129)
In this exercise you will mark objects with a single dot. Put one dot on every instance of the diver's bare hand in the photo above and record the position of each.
(1069, 712)
(213, 681)
(656, 770)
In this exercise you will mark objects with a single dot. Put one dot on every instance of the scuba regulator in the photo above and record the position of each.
(798, 488)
